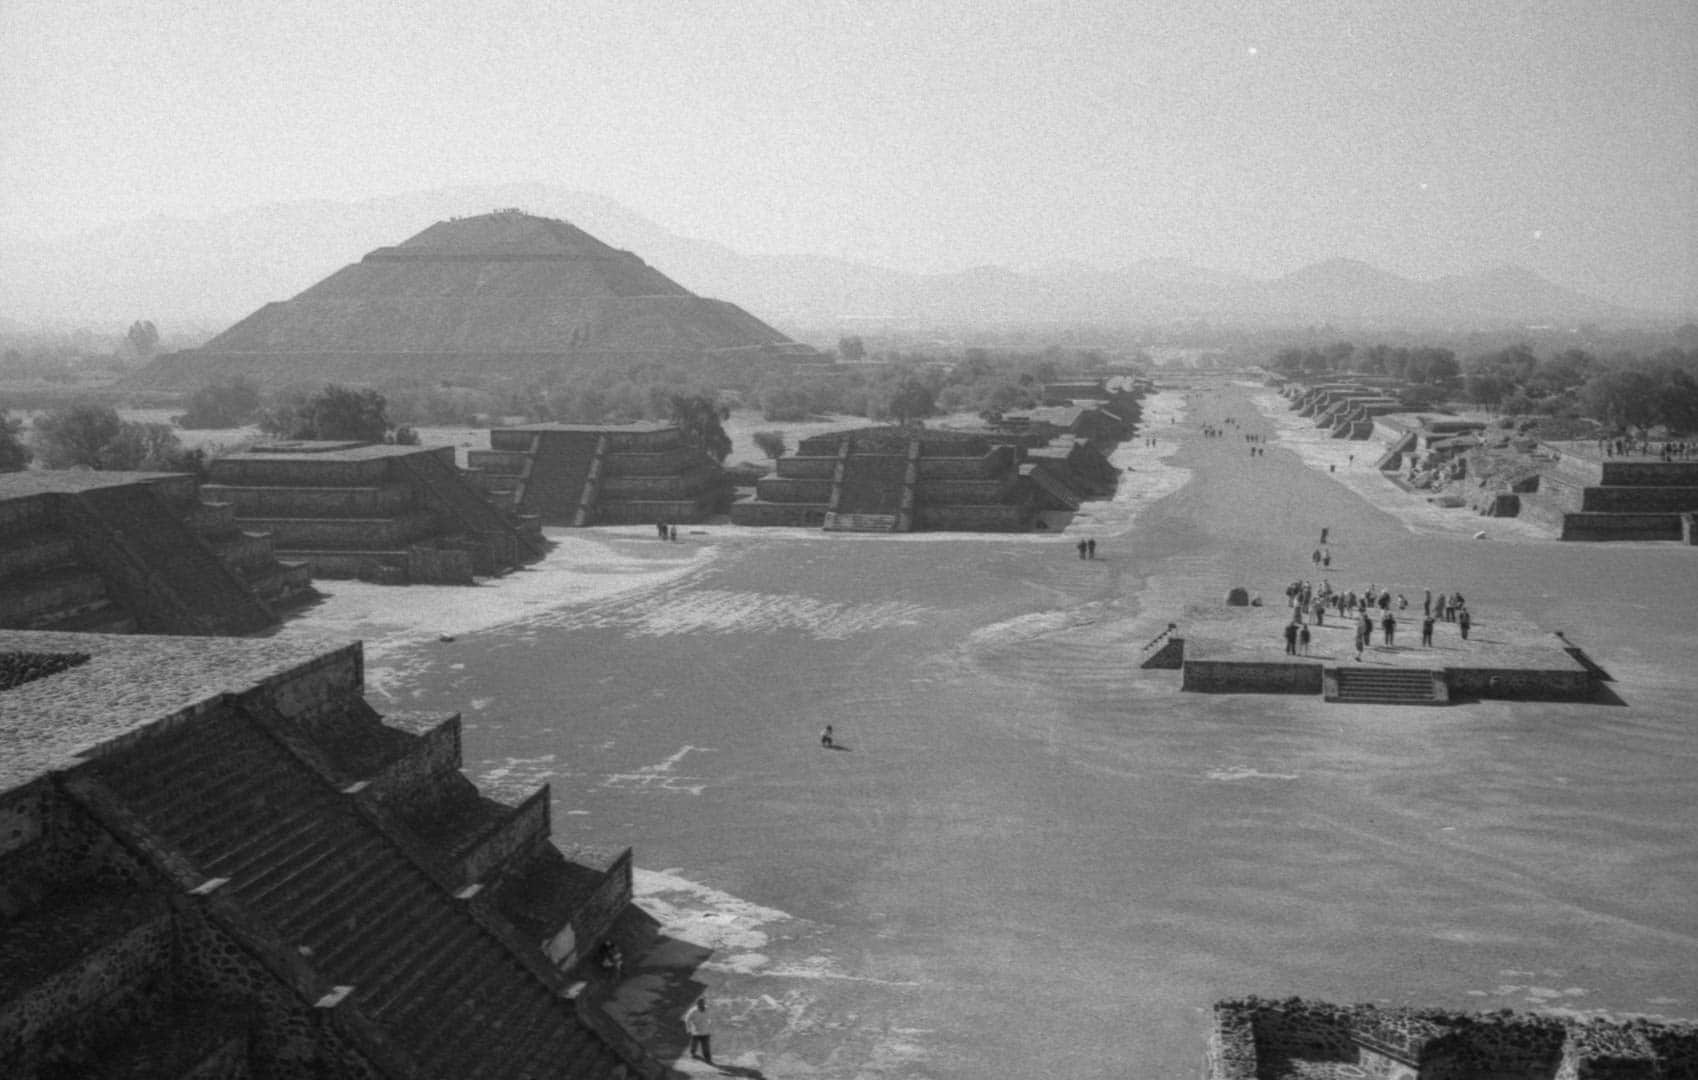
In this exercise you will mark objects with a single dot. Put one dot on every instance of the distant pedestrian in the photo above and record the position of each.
(1427, 630)
(1326, 559)
(1324, 531)
(827, 740)
(672, 533)
(1316, 557)
(1081, 546)
(1464, 621)
(1303, 640)
(660, 526)
(1291, 639)
(1389, 625)
(1427, 603)
(1091, 548)
(700, 1031)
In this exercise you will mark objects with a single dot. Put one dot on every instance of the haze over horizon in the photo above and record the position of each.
(1427, 140)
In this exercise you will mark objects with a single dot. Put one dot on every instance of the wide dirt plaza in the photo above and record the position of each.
(1030, 857)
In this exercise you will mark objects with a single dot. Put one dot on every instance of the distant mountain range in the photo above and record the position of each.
(210, 272)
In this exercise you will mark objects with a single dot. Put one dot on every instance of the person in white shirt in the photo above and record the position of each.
(696, 1023)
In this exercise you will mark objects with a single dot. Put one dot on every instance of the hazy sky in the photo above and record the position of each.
(1424, 136)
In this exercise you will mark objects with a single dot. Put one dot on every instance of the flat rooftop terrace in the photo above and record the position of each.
(127, 682)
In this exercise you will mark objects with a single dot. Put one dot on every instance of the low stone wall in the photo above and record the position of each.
(654, 463)
(673, 486)
(1654, 499)
(408, 785)
(976, 518)
(338, 501)
(315, 470)
(963, 492)
(1649, 473)
(351, 533)
(796, 514)
(1521, 684)
(1250, 677)
(1621, 527)
(963, 468)
(455, 565)
(806, 468)
(311, 688)
(649, 511)
(786, 490)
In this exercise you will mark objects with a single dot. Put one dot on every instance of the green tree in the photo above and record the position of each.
(702, 423)
(143, 337)
(336, 413)
(75, 436)
(912, 400)
(771, 443)
(222, 403)
(1627, 397)
(14, 454)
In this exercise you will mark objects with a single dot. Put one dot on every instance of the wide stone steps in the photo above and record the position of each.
(1384, 686)
(302, 858)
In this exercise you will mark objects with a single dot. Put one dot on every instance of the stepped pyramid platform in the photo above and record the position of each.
(387, 513)
(1587, 495)
(598, 474)
(506, 295)
(902, 479)
(219, 860)
(127, 552)
(1233, 649)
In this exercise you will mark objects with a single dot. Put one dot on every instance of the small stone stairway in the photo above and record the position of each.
(1384, 686)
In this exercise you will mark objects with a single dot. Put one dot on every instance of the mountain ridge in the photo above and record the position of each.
(211, 270)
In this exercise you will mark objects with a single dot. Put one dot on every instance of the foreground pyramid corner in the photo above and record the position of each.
(505, 295)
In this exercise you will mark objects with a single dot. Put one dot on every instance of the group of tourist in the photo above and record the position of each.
(1087, 548)
(1308, 601)
(667, 532)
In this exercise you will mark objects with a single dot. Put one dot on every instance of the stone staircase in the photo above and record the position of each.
(145, 548)
(1384, 686)
(307, 862)
(558, 474)
(445, 491)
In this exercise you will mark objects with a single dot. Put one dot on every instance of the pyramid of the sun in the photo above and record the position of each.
(501, 295)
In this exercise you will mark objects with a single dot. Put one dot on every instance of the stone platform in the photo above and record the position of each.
(1242, 650)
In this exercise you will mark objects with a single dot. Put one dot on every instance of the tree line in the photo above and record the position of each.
(1620, 391)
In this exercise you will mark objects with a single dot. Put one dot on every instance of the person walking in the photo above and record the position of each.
(1427, 630)
(1091, 548)
(1389, 625)
(1081, 546)
(1303, 640)
(700, 1030)
(1464, 621)
(1291, 638)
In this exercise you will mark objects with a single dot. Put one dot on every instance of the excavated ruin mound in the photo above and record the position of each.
(501, 295)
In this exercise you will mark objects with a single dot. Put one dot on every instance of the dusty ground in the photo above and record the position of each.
(1033, 858)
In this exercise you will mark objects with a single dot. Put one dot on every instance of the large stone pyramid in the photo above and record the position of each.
(500, 295)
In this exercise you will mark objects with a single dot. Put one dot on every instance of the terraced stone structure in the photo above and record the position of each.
(507, 295)
(387, 513)
(217, 860)
(1344, 409)
(1254, 1039)
(586, 474)
(1584, 496)
(900, 479)
(127, 552)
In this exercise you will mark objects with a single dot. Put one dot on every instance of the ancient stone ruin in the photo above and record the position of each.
(1253, 1039)
(120, 553)
(216, 859)
(507, 295)
(385, 513)
(606, 474)
(902, 479)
